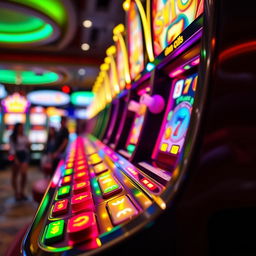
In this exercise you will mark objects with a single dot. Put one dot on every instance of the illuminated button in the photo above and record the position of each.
(63, 191)
(68, 172)
(81, 162)
(69, 165)
(121, 209)
(82, 201)
(81, 187)
(54, 232)
(108, 185)
(175, 149)
(82, 227)
(81, 168)
(100, 168)
(151, 186)
(95, 159)
(81, 176)
(60, 207)
(164, 147)
(66, 180)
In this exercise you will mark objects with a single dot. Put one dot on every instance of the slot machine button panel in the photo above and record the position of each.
(81, 176)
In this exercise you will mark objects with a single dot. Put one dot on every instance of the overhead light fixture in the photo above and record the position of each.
(87, 23)
(81, 71)
(85, 47)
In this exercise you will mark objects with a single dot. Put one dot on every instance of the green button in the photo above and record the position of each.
(63, 191)
(111, 188)
(68, 172)
(54, 232)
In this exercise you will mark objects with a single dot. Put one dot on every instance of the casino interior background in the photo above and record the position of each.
(159, 96)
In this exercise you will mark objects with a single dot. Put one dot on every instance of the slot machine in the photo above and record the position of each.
(38, 131)
(15, 109)
(178, 190)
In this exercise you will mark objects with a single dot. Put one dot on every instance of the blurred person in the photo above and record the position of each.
(19, 149)
(61, 142)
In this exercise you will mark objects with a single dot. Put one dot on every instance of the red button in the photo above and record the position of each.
(81, 187)
(81, 176)
(82, 227)
(82, 201)
(81, 168)
(151, 186)
(60, 207)
(66, 180)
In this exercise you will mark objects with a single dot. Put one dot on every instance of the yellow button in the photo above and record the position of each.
(121, 209)
(175, 149)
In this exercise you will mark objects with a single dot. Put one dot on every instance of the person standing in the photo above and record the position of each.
(61, 142)
(19, 148)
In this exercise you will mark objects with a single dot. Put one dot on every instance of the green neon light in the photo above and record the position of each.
(16, 22)
(63, 191)
(33, 36)
(27, 77)
(131, 148)
(68, 172)
(82, 98)
(51, 8)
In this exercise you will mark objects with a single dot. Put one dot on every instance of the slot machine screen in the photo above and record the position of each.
(135, 130)
(176, 120)
(135, 41)
(171, 18)
(37, 119)
(37, 136)
(11, 119)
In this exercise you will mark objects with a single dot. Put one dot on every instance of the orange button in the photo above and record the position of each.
(100, 168)
(121, 209)
(82, 201)
(82, 227)
(66, 180)
(81, 187)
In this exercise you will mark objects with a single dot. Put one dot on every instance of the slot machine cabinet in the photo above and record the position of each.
(179, 218)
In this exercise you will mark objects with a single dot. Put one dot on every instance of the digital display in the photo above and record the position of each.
(37, 136)
(136, 128)
(177, 117)
(120, 66)
(135, 41)
(48, 98)
(12, 119)
(37, 119)
(170, 18)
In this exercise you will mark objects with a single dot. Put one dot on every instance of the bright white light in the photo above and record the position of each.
(81, 71)
(87, 23)
(85, 47)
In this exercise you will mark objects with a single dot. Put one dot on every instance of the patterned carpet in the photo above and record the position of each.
(15, 215)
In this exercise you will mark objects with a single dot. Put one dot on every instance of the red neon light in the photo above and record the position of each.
(238, 49)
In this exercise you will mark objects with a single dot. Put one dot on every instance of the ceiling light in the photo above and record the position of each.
(85, 47)
(87, 23)
(81, 71)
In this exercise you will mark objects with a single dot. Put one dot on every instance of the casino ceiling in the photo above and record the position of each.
(52, 43)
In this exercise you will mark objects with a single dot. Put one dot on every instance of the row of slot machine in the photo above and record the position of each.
(164, 152)
(36, 120)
